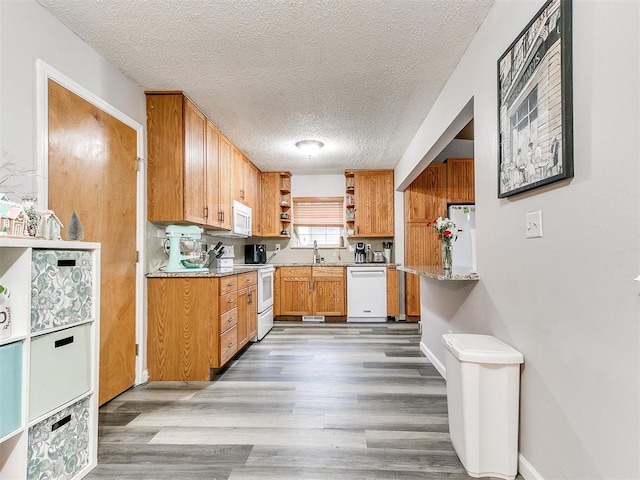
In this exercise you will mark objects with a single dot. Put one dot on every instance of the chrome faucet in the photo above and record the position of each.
(316, 254)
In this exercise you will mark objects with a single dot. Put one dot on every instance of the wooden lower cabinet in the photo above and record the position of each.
(393, 300)
(311, 291)
(329, 287)
(197, 324)
(247, 308)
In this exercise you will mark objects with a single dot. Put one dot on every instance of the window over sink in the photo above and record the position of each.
(319, 219)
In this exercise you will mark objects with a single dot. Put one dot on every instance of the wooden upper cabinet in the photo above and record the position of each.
(425, 198)
(270, 204)
(166, 165)
(373, 199)
(460, 180)
(188, 165)
(239, 172)
(195, 167)
(224, 196)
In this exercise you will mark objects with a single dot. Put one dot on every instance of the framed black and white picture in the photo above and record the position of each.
(535, 108)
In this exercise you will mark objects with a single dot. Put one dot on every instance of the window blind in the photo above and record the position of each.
(318, 211)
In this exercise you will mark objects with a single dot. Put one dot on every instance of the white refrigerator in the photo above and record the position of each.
(463, 250)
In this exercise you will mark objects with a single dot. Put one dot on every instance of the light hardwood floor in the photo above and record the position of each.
(310, 401)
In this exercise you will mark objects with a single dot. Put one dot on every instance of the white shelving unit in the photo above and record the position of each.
(44, 397)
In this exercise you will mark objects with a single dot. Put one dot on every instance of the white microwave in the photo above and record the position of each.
(241, 219)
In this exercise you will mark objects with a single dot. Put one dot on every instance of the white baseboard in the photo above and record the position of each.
(432, 358)
(526, 470)
(144, 377)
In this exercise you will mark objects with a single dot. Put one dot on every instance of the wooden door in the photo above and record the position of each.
(374, 203)
(92, 171)
(194, 164)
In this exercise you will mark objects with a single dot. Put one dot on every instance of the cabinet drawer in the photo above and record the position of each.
(228, 284)
(61, 288)
(60, 368)
(228, 320)
(295, 272)
(247, 279)
(328, 272)
(68, 428)
(228, 302)
(228, 344)
(10, 387)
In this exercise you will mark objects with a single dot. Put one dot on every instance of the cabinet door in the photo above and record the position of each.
(194, 163)
(165, 147)
(238, 169)
(374, 203)
(224, 198)
(393, 307)
(422, 248)
(243, 316)
(329, 291)
(213, 179)
(182, 329)
(425, 197)
(460, 180)
(295, 291)
(270, 204)
(252, 322)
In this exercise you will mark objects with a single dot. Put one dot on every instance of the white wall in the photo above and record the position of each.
(567, 301)
(28, 32)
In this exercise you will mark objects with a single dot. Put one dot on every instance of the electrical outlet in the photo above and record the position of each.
(534, 224)
(277, 247)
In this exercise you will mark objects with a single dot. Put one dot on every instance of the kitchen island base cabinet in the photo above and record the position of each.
(197, 324)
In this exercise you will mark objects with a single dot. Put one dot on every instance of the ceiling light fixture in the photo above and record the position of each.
(309, 147)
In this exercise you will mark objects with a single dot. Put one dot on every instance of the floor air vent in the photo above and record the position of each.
(313, 318)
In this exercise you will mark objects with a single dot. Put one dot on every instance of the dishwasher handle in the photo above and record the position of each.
(368, 273)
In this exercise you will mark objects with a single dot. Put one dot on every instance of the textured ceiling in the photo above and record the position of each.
(359, 75)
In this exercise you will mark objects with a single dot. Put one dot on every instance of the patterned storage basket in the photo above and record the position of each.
(59, 445)
(61, 288)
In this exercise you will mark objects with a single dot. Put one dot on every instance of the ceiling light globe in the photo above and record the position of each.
(309, 147)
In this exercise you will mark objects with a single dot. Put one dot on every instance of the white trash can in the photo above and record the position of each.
(483, 393)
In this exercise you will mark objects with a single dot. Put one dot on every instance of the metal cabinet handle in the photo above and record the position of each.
(230, 319)
(231, 345)
(230, 284)
(231, 300)
(206, 211)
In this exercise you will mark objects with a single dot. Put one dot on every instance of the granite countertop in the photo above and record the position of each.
(223, 272)
(213, 272)
(438, 274)
(333, 264)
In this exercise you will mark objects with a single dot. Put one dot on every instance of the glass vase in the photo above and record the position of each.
(446, 256)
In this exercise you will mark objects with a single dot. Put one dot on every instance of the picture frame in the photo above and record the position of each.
(535, 103)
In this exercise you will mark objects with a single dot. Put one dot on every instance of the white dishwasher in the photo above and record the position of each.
(366, 294)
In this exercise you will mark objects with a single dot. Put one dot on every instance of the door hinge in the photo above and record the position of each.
(137, 256)
(139, 162)
(137, 349)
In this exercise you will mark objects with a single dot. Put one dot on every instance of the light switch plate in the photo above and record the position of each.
(277, 247)
(534, 224)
